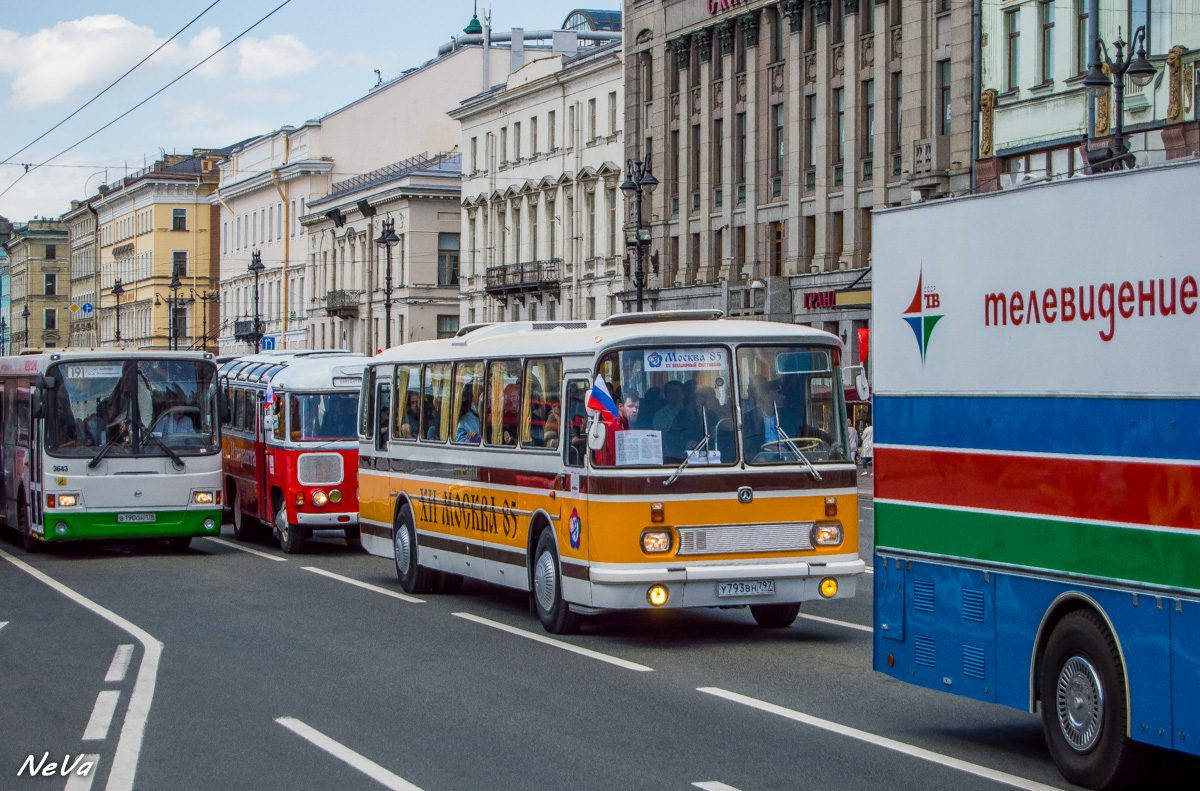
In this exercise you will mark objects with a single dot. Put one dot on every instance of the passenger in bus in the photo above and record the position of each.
(758, 418)
(174, 418)
(467, 428)
(339, 424)
(664, 417)
(607, 456)
(432, 417)
(512, 413)
(651, 403)
(410, 423)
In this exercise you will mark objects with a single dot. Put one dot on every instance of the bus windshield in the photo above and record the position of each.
(134, 408)
(790, 409)
(323, 417)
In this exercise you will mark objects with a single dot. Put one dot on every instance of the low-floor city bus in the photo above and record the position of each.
(290, 447)
(110, 444)
(716, 476)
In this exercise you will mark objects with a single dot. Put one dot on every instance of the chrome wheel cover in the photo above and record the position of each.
(545, 581)
(1079, 704)
(281, 524)
(403, 548)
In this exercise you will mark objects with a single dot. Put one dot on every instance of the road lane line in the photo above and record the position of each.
(713, 785)
(3, 624)
(133, 731)
(120, 663)
(882, 741)
(102, 714)
(365, 585)
(78, 782)
(345, 754)
(612, 660)
(846, 624)
(258, 552)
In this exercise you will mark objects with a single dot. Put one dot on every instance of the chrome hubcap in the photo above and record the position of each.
(403, 549)
(545, 581)
(281, 524)
(1080, 703)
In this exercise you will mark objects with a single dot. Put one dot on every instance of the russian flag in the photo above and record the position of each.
(269, 396)
(602, 401)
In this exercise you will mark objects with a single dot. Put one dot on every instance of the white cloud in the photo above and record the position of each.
(201, 46)
(53, 63)
(280, 55)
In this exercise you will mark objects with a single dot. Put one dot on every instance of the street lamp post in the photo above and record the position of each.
(117, 291)
(256, 266)
(1140, 70)
(207, 297)
(25, 315)
(638, 179)
(388, 239)
(3, 337)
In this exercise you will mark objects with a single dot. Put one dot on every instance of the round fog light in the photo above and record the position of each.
(210, 524)
(319, 498)
(61, 528)
(658, 595)
(828, 587)
(335, 496)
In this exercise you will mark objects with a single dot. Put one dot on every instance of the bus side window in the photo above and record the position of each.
(576, 448)
(406, 411)
(23, 415)
(468, 387)
(503, 402)
(383, 401)
(239, 399)
(541, 408)
(435, 403)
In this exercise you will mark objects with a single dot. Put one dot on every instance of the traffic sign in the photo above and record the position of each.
(74, 308)
(268, 343)
(87, 307)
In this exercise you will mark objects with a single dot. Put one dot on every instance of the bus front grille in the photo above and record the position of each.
(734, 539)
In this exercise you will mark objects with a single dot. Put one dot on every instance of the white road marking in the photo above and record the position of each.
(129, 747)
(612, 660)
(102, 714)
(3, 624)
(120, 663)
(344, 753)
(846, 624)
(366, 585)
(78, 782)
(713, 785)
(258, 552)
(882, 741)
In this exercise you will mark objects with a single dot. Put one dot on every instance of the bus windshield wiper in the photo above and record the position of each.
(103, 451)
(702, 446)
(175, 458)
(781, 437)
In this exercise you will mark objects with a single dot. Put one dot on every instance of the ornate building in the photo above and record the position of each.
(38, 267)
(84, 244)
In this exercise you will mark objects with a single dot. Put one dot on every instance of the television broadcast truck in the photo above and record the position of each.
(1037, 430)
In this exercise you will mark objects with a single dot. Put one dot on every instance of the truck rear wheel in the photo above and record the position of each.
(1084, 712)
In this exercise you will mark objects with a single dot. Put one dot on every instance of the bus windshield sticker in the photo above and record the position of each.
(685, 359)
(94, 371)
(639, 448)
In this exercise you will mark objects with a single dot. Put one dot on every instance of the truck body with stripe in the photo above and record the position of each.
(1037, 484)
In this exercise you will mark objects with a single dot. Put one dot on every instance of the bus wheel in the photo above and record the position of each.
(30, 543)
(414, 578)
(775, 616)
(291, 537)
(554, 613)
(354, 537)
(1083, 705)
(243, 526)
(179, 543)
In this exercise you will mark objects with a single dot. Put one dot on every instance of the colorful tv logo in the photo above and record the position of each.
(922, 322)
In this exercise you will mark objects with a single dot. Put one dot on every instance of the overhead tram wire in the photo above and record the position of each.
(111, 84)
(207, 58)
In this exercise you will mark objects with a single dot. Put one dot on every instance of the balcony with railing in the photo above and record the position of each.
(520, 279)
(342, 304)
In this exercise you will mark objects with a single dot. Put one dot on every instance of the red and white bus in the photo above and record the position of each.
(290, 444)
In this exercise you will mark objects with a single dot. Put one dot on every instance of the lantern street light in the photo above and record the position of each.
(388, 238)
(1140, 71)
(256, 266)
(638, 180)
(3, 337)
(117, 291)
(25, 315)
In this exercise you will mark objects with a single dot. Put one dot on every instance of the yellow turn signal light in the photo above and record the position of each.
(829, 587)
(830, 506)
(658, 595)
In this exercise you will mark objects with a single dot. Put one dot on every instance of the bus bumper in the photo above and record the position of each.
(332, 521)
(60, 526)
(697, 586)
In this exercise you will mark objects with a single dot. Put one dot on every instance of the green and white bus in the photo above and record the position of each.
(110, 444)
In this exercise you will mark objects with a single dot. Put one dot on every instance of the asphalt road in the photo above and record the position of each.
(267, 671)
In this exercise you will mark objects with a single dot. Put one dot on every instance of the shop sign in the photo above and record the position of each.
(820, 299)
(717, 6)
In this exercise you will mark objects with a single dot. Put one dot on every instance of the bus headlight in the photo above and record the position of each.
(319, 498)
(335, 496)
(67, 500)
(827, 535)
(656, 541)
(658, 595)
(203, 498)
(828, 587)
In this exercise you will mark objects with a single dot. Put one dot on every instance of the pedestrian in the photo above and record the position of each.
(852, 440)
(868, 446)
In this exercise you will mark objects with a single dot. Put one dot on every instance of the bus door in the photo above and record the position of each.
(262, 454)
(573, 533)
(37, 423)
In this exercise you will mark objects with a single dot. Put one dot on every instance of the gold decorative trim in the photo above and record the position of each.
(987, 107)
(1104, 107)
(1175, 85)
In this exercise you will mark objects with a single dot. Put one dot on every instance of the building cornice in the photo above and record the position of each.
(482, 103)
(262, 180)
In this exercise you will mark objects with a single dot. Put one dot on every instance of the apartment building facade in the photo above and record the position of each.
(83, 241)
(39, 268)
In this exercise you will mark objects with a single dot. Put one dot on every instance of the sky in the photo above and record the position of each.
(309, 58)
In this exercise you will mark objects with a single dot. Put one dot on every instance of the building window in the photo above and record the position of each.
(868, 116)
(591, 210)
(741, 148)
(1046, 18)
(447, 326)
(292, 220)
(516, 226)
(591, 308)
(448, 259)
(51, 319)
(237, 233)
(1082, 50)
(866, 18)
(591, 119)
(474, 154)
(810, 140)
(51, 251)
(517, 141)
(837, 23)
(718, 151)
(776, 249)
(611, 194)
(533, 141)
(178, 219)
(51, 284)
(612, 112)
(864, 228)
(503, 144)
(179, 260)
(776, 20)
(839, 106)
(553, 222)
(739, 49)
(896, 130)
(943, 6)
(570, 141)
(780, 137)
(1012, 29)
(550, 129)
(943, 96)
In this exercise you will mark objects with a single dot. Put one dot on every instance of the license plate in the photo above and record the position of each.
(749, 588)
(126, 519)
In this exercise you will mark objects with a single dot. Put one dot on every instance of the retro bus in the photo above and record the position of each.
(110, 444)
(724, 480)
(290, 447)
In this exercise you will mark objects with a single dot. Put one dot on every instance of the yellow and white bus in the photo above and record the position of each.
(725, 479)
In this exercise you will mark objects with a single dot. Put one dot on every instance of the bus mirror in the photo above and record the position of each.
(223, 408)
(270, 421)
(38, 405)
(863, 387)
(597, 434)
(47, 382)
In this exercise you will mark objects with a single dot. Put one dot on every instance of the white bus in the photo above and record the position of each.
(110, 444)
(724, 480)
